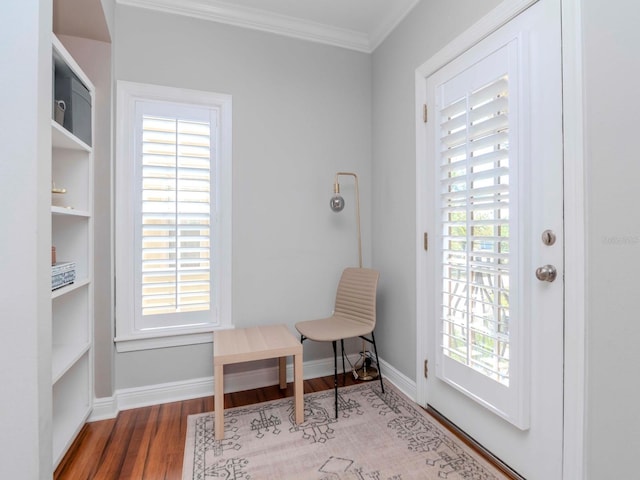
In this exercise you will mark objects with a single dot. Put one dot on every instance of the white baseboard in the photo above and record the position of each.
(399, 380)
(127, 398)
(104, 408)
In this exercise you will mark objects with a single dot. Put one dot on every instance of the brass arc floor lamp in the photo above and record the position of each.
(362, 370)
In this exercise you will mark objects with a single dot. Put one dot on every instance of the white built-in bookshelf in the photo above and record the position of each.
(71, 305)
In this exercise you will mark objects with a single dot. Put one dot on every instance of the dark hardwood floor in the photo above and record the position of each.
(148, 443)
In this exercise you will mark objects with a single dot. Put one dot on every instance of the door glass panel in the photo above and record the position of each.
(474, 188)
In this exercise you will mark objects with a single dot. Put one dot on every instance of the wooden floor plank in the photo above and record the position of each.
(80, 461)
(117, 449)
(142, 437)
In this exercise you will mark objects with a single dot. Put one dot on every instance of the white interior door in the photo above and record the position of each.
(490, 314)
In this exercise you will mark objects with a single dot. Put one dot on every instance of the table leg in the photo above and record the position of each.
(282, 367)
(218, 401)
(298, 387)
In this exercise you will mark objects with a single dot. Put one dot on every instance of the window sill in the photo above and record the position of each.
(150, 342)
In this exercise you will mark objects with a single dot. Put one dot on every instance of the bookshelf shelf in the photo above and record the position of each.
(72, 235)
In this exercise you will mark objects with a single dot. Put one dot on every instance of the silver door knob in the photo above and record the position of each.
(546, 273)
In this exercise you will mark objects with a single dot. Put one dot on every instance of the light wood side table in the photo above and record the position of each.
(255, 343)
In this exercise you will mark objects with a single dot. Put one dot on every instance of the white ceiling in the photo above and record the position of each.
(355, 24)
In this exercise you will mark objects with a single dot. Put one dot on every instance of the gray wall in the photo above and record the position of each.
(427, 29)
(301, 112)
(612, 69)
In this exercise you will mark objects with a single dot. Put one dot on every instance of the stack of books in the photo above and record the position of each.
(62, 274)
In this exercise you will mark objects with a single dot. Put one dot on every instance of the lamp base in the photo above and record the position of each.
(365, 374)
(363, 368)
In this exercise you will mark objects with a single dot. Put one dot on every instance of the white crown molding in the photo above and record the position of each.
(257, 19)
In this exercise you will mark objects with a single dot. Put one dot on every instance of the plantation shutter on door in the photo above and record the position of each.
(475, 222)
(482, 348)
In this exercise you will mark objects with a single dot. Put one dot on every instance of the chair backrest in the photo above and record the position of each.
(356, 295)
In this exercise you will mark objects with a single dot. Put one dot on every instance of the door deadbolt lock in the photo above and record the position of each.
(548, 237)
(547, 273)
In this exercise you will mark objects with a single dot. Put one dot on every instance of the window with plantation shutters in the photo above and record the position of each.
(172, 215)
(176, 184)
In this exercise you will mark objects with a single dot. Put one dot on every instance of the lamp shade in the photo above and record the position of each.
(336, 203)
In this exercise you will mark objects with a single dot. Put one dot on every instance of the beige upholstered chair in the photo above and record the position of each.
(354, 316)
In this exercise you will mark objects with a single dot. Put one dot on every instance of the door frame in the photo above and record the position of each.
(574, 195)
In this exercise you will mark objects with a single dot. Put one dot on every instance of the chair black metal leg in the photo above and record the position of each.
(344, 371)
(375, 350)
(335, 375)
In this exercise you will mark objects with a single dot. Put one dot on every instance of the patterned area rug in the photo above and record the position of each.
(376, 437)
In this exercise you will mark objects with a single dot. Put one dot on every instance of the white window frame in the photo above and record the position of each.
(127, 336)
